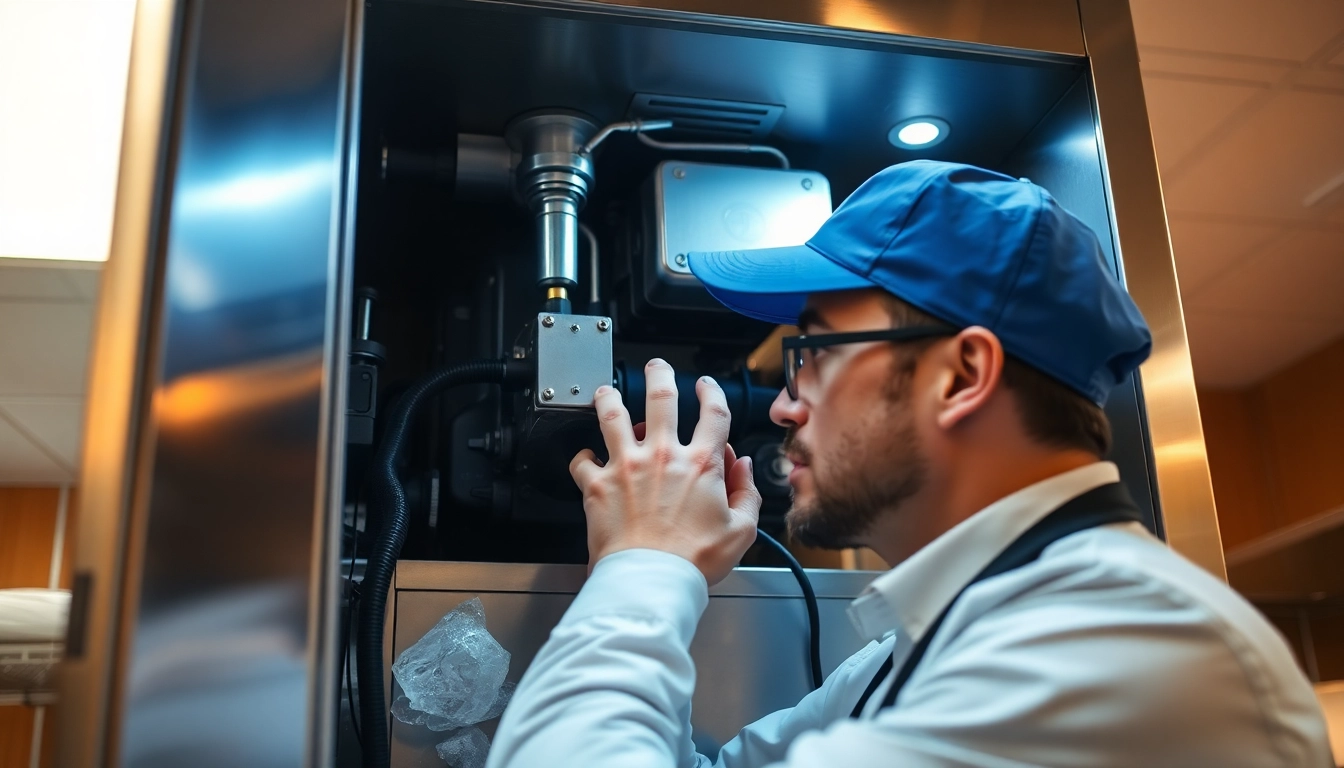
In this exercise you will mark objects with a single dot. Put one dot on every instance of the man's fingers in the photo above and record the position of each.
(729, 459)
(660, 401)
(743, 498)
(614, 420)
(712, 429)
(582, 467)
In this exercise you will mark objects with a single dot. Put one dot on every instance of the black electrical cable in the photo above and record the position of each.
(810, 598)
(350, 596)
(388, 499)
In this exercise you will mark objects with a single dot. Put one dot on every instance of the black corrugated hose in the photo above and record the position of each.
(388, 500)
(810, 598)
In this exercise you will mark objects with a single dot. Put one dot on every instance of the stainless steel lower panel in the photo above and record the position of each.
(750, 650)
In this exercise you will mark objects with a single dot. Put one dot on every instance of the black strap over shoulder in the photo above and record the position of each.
(1105, 505)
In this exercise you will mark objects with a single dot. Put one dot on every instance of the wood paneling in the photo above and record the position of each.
(71, 525)
(48, 757)
(1327, 639)
(1276, 450)
(27, 530)
(1237, 466)
(1276, 456)
(1304, 433)
(16, 731)
(28, 518)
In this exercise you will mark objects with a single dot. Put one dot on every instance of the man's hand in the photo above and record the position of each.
(697, 501)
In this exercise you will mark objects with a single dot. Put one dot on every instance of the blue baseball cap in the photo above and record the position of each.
(968, 246)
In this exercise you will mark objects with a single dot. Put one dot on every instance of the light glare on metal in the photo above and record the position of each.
(918, 132)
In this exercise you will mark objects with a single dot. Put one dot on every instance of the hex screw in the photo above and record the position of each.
(807, 183)
(548, 321)
(603, 325)
(574, 328)
(574, 390)
(678, 173)
(681, 259)
(548, 394)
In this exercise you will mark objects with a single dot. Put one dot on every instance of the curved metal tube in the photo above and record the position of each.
(637, 126)
(715, 147)
(593, 295)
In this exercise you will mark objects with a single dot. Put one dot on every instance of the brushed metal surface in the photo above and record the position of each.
(88, 716)
(567, 579)
(1185, 492)
(713, 207)
(750, 650)
(224, 626)
(1030, 25)
(573, 359)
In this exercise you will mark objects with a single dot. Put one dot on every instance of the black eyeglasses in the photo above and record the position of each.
(798, 350)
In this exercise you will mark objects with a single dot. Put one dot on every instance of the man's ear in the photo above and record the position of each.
(974, 360)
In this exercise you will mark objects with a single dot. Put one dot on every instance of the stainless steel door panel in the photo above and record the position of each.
(223, 633)
(750, 649)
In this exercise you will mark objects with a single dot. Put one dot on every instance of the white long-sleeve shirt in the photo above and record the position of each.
(1109, 650)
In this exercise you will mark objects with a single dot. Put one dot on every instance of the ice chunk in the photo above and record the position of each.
(466, 748)
(502, 701)
(401, 709)
(452, 677)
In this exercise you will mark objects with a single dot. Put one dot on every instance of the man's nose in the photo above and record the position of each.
(787, 412)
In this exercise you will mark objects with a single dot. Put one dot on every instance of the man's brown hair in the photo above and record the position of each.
(1052, 413)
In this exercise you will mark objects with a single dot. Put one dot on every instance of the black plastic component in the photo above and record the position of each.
(77, 625)
(439, 168)
(749, 403)
(558, 307)
(361, 404)
(390, 509)
(366, 356)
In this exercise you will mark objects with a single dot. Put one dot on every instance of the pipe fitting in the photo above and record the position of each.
(553, 177)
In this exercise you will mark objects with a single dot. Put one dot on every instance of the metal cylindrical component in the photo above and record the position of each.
(362, 347)
(484, 167)
(553, 176)
(558, 241)
(364, 315)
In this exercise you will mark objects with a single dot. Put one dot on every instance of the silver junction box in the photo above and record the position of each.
(573, 359)
(706, 207)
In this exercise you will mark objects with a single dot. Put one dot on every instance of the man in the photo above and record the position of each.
(961, 333)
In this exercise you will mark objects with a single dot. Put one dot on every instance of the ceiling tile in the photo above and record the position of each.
(1269, 163)
(1234, 350)
(23, 463)
(1275, 29)
(1168, 61)
(33, 282)
(1206, 249)
(1318, 79)
(1299, 275)
(55, 423)
(44, 347)
(1183, 113)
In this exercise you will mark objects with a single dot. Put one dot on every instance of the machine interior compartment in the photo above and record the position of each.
(454, 266)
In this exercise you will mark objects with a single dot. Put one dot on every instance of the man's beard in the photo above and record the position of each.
(872, 474)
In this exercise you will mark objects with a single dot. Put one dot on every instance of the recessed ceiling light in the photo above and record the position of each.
(918, 132)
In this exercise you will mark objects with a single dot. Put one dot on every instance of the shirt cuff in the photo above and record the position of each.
(644, 582)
